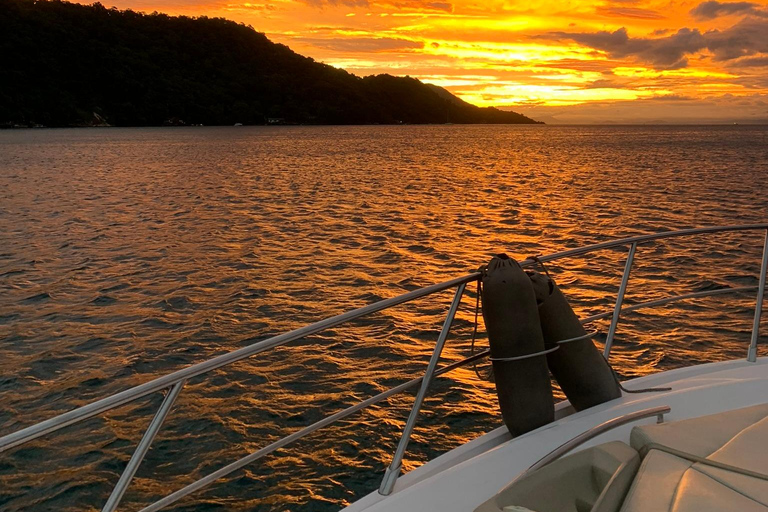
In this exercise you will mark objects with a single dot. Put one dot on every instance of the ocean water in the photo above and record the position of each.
(129, 253)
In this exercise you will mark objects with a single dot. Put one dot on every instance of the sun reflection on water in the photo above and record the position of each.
(130, 253)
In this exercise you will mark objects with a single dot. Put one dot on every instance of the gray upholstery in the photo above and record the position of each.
(700, 436)
(600, 479)
(593, 480)
(666, 482)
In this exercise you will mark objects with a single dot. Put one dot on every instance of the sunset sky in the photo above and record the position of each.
(565, 61)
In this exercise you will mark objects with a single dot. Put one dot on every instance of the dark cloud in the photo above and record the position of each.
(605, 83)
(664, 53)
(334, 3)
(416, 5)
(671, 97)
(630, 12)
(440, 6)
(746, 38)
(751, 62)
(362, 44)
(713, 9)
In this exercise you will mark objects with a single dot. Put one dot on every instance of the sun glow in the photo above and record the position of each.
(491, 53)
(516, 93)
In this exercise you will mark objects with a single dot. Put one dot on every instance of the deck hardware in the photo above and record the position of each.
(752, 353)
(619, 301)
(285, 441)
(393, 471)
(595, 431)
(142, 448)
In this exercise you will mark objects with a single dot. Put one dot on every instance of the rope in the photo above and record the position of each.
(615, 374)
(578, 338)
(537, 259)
(489, 375)
(526, 356)
(707, 462)
(634, 391)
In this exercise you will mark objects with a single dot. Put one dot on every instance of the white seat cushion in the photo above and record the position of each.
(700, 493)
(666, 482)
(700, 436)
(656, 483)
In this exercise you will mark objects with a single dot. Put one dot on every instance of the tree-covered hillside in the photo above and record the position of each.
(64, 64)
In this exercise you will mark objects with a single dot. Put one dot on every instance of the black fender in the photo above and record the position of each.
(512, 321)
(579, 368)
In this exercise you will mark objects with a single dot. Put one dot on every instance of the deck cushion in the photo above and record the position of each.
(666, 482)
(700, 436)
(592, 480)
(656, 483)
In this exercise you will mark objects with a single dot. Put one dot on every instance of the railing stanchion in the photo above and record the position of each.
(619, 300)
(393, 471)
(100, 406)
(752, 353)
(142, 448)
(299, 434)
(597, 430)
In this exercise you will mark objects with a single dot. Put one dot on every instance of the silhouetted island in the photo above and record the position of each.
(67, 64)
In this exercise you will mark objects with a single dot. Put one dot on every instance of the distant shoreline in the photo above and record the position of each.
(595, 125)
(153, 69)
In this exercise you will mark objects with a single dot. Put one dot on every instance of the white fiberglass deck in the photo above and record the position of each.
(462, 479)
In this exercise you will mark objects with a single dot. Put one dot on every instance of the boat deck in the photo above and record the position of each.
(464, 478)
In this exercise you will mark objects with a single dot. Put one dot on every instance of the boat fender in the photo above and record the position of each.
(581, 371)
(523, 384)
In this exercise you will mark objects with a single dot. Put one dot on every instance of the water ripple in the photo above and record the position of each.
(128, 253)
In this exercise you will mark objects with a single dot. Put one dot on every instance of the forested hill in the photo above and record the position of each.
(64, 64)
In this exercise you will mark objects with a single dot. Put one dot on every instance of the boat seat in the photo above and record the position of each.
(667, 482)
(592, 480)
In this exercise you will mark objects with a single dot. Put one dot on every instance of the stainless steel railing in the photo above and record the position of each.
(598, 430)
(174, 382)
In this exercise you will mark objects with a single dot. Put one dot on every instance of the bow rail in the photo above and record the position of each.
(174, 382)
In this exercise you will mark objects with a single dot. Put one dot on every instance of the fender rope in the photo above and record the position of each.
(526, 356)
(701, 460)
(488, 376)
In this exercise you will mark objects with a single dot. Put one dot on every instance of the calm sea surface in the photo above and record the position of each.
(129, 253)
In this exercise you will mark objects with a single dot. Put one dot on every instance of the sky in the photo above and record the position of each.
(569, 61)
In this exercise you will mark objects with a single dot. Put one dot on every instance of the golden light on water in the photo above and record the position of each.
(112, 282)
